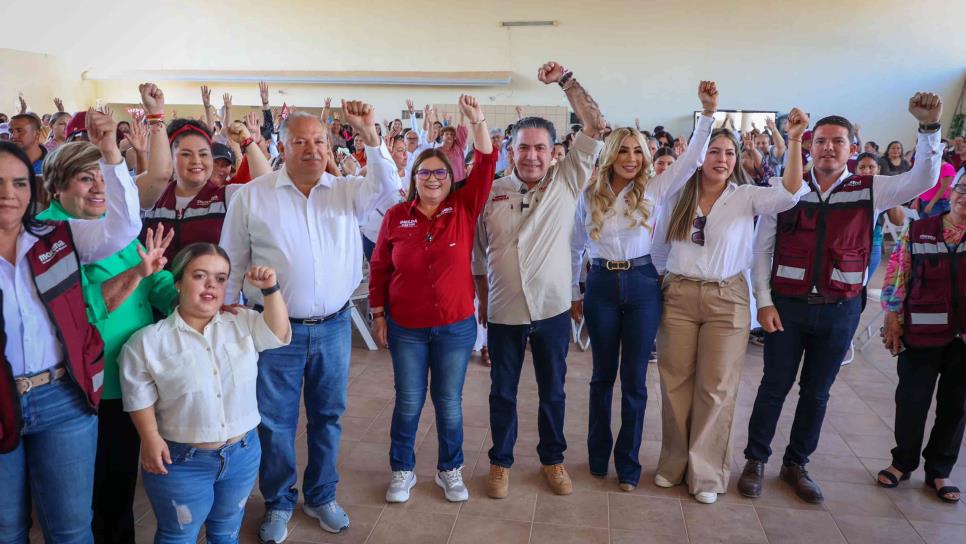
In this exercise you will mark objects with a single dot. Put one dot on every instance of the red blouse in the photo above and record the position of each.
(420, 269)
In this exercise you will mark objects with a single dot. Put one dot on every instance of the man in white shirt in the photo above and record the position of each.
(524, 238)
(808, 275)
(305, 223)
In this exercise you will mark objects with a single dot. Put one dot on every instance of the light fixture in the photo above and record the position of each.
(528, 23)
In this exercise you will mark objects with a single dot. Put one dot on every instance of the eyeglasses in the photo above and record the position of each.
(439, 174)
(698, 236)
(960, 188)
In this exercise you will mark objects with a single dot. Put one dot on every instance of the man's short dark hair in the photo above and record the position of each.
(838, 121)
(535, 122)
(32, 117)
(866, 156)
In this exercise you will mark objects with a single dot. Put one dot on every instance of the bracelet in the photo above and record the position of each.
(156, 122)
(270, 290)
(377, 315)
(244, 145)
(568, 84)
(483, 120)
(931, 127)
(565, 78)
(154, 116)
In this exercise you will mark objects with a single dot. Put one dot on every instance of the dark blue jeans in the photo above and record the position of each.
(823, 333)
(550, 339)
(436, 358)
(53, 467)
(203, 487)
(319, 356)
(623, 311)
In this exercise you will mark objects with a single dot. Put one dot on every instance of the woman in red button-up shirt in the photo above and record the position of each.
(421, 295)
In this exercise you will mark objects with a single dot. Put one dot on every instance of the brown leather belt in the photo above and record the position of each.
(26, 383)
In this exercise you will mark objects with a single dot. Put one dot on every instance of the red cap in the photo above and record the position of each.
(78, 123)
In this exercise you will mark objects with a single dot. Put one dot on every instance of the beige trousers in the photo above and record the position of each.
(702, 342)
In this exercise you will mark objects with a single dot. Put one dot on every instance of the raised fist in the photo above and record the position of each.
(551, 72)
(927, 108)
(152, 98)
(470, 108)
(708, 94)
(797, 123)
(261, 277)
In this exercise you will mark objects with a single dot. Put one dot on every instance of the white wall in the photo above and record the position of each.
(860, 58)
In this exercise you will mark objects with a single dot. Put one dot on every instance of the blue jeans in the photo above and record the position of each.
(623, 311)
(550, 340)
(875, 257)
(53, 467)
(319, 354)
(823, 332)
(203, 487)
(442, 352)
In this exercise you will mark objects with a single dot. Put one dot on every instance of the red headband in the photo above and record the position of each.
(187, 128)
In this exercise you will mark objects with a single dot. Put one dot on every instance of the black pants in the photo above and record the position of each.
(919, 369)
(115, 475)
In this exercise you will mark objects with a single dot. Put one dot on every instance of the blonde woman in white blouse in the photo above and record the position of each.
(188, 382)
(704, 329)
(614, 223)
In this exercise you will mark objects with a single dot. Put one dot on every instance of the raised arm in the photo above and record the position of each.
(326, 112)
(117, 289)
(673, 179)
(206, 103)
(794, 172)
(586, 108)
(778, 143)
(155, 179)
(248, 135)
(891, 191)
(381, 178)
(275, 312)
(96, 240)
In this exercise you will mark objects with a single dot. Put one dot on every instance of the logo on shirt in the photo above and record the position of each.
(929, 237)
(853, 183)
(445, 211)
(498, 198)
(58, 246)
(408, 223)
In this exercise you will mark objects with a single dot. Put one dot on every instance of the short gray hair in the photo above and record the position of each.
(283, 128)
(534, 122)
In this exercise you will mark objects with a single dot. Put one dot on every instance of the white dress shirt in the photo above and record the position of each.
(887, 192)
(202, 386)
(312, 242)
(370, 228)
(32, 344)
(618, 241)
(729, 231)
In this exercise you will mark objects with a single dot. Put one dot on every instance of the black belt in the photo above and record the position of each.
(815, 298)
(621, 265)
(309, 320)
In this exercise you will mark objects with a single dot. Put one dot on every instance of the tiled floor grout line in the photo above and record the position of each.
(687, 534)
(533, 517)
(375, 524)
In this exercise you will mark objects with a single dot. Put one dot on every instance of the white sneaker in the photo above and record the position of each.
(661, 481)
(399, 485)
(452, 483)
(706, 497)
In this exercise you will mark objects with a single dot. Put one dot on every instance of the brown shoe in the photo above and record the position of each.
(498, 482)
(749, 485)
(558, 479)
(797, 477)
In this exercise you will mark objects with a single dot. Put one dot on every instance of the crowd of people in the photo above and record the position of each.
(173, 289)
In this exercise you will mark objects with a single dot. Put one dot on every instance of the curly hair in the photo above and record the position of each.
(600, 196)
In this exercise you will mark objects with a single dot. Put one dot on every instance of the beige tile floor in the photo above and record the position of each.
(855, 444)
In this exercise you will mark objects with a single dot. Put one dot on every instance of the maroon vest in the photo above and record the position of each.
(935, 305)
(200, 221)
(55, 268)
(825, 245)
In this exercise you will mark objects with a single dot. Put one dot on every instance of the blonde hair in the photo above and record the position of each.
(600, 196)
(687, 206)
(67, 161)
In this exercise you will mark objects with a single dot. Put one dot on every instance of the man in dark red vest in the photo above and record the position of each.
(808, 277)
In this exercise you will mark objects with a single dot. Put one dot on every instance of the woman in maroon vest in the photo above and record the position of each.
(923, 296)
(189, 203)
(52, 368)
